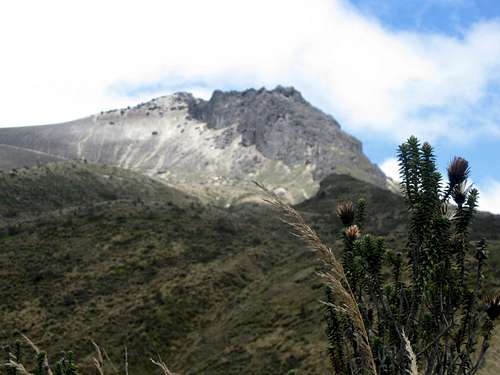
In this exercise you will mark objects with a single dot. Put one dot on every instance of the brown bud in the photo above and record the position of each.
(345, 211)
(458, 171)
(493, 307)
(352, 232)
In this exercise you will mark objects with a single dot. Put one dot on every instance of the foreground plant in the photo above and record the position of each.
(430, 311)
(358, 356)
(66, 364)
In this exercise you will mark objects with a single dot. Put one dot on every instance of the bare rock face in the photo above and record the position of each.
(283, 126)
(216, 147)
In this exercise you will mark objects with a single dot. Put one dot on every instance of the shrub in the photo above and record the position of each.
(66, 365)
(431, 309)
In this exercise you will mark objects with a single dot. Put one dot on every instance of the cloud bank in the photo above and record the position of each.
(64, 60)
(390, 167)
(489, 196)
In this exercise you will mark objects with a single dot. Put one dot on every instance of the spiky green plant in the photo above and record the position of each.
(434, 298)
(431, 312)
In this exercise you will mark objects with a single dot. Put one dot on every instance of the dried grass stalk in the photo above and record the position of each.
(334, 277)
(12, 363)
(98, 360)
(412, 358)
(126, 361)
(37, 351)
(19, 367)
(162, 365)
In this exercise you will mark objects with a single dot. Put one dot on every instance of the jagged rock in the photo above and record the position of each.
(283, 126)
(273, 136)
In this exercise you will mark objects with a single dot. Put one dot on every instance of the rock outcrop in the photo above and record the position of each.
(217, 146)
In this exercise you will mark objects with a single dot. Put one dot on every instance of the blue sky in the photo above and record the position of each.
(452, 18)
(385, 69)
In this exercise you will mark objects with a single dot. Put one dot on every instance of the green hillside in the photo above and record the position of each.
(92, 252)
(36, 190)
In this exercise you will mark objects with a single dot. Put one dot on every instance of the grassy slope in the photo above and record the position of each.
(164, 276)
(213, 291)
(29, 191)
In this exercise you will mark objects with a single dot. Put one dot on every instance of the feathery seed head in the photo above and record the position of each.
(345, 211)
(352, 232)
(458, 171)
(493, 307)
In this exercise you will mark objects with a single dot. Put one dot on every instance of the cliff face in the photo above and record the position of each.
(283, 126)
(220, 145)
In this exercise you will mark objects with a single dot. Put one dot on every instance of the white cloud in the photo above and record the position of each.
(489, 196)
(390, 167)
(62, 60)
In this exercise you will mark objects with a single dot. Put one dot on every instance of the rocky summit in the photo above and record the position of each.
(214, 148)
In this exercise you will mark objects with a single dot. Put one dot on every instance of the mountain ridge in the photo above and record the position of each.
(273, 136)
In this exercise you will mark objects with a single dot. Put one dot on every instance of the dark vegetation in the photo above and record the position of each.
(432, 308)
(95, 253)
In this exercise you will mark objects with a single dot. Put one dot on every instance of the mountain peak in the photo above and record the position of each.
(286, 91)
(273, 136)
(252, 108)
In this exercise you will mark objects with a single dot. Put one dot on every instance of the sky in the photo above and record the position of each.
(384, 69)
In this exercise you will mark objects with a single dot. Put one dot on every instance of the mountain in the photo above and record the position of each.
(213, 148)
(112, 229)
(96, 252)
